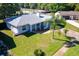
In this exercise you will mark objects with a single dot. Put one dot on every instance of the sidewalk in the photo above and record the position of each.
(64, 49)
(47, 32)
(72, 22)
(61, 51)
(72, 33)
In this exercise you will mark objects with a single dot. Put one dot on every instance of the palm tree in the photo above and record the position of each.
(56, 23)
(52, 25)
(65, 31)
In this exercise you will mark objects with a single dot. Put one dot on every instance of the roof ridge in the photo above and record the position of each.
(20, 19)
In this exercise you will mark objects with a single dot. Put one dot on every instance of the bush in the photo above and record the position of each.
(39, 52)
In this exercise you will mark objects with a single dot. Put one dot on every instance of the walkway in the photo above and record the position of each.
(47, 32)
(61, 51)
(72, 33)
(72, 22)
(64, 49)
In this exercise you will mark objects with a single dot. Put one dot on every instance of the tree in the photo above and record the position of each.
(8, 9)
(53, 7)
(52, 25)
(56, 23)
(77, 7)
(56, 7)
(65, 31)
(39, 52)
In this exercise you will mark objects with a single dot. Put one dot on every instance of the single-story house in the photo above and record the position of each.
(25, 10)
(28, 23)
(70, 15)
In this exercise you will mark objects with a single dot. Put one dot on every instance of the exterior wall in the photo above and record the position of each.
(34, 27)
(46, 25)
(20, 30)
(17, 30)
(13, 29)
(29, 28)
(8, 25)
(40, 26)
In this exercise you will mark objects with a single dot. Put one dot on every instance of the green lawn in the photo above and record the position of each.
(1, 21)
(73, 51)
(77, 21)
(69, 26)
(26, 44)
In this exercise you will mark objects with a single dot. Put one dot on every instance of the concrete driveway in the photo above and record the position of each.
(72, 22)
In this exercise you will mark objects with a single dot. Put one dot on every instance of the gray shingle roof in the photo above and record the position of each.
(27, 19)
(68, 13)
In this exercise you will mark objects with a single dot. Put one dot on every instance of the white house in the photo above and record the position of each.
(27, 23)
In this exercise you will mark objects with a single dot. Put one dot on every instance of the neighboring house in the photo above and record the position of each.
(25, 10)
(70, 15)
(28, 23)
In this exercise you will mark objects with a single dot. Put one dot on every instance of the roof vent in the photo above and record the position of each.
(38, 14)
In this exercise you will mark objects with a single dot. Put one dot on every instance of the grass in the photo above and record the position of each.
(23, 45)
(1, 21)
(26, 44)
(73, 51)
(71, 27)
(77, 21)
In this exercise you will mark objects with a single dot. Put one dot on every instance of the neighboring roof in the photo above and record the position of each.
(64, 13)
(25, 10)
(28, 19)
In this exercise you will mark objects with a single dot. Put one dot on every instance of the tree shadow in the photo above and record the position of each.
(3, 26)
(61, 39)
(28, 34)
(41, 31)
(8, 41)
(72, 42)
(70, 38)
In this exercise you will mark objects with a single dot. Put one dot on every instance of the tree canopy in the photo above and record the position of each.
(9, 9)
(53, 7)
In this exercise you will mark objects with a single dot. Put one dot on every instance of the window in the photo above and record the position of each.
(23, 27)
(45, 24)
(66, 17)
